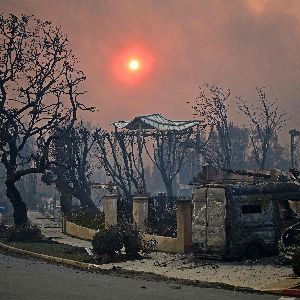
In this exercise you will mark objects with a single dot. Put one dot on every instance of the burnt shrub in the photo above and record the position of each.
(162, 216)
(296, 263)
(110, 241)
(132, 239)
(3, 230)
(8, 218)
(107, 242)
(23, 233)
(86, 218)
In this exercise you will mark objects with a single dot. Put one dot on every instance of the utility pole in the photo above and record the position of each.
(294, 133)
(115, 147)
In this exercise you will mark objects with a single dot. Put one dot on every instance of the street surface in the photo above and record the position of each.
(22, 278)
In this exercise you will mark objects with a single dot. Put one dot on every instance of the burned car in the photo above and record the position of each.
(236, 219)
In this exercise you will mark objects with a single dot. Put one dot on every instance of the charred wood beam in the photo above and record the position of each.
(247, 173)
(273, 188)
(295, 196)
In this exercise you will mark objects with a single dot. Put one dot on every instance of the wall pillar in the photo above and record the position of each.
(184, 225)
(110, 207)
(140, 212)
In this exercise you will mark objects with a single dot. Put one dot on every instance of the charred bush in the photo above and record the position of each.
(162, 216)
(107, 242)
(86, 218)
(3, 230)
(8, 218)
(23, 233)
(132, 239)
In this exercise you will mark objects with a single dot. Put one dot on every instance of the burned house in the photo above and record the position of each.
(241, 213)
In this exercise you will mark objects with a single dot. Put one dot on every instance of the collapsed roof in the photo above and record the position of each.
(155, 121)
(284, 185)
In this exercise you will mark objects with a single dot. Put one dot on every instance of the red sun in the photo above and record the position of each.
(132, 65)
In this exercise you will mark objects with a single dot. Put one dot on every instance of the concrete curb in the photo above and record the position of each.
(58, 260)
(287, 287)
(113, 270)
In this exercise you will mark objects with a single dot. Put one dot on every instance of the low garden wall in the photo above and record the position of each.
(78, 231)
(163, 243)
(180, 244)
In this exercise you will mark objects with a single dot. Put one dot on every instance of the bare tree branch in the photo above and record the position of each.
(39, 87)
(264, 121)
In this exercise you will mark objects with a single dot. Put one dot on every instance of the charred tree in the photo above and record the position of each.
(264, 122)
(168, 154)
(119, 153)
(211, 106)
(72, 171)
(39, 90)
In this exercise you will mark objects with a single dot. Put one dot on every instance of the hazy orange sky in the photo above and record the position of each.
(236, 44)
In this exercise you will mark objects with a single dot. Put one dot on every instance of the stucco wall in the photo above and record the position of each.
(75, 230)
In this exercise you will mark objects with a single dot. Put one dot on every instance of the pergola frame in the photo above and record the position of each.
(150, 123)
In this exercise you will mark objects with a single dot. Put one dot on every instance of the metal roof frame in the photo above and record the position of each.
(155, 121)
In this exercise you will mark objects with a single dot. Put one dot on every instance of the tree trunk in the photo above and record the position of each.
(65, 202)
(83, 193)
(88, 203)
(169, 189)
(20, 209)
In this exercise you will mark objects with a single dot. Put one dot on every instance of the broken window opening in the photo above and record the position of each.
(251, 209)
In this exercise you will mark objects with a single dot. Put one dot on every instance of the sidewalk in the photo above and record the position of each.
(51, 229)
(255, 275)
(264, 274)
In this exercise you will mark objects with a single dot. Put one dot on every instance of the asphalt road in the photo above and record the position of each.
(31, 279)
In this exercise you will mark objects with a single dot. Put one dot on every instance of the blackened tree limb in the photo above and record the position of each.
(265, 119)
(117, 153)
(71, 168)
(39, 91)
(168, 154)
(211, 106)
